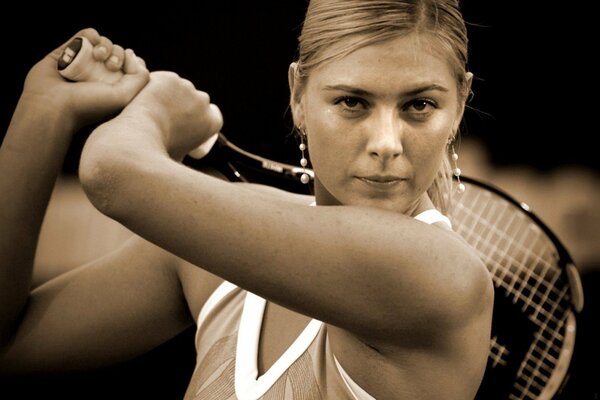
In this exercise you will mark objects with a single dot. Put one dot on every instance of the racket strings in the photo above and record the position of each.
(498, 353)
(524, 263)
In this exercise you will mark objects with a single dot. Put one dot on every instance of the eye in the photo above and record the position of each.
(420, 106)
(351, 103)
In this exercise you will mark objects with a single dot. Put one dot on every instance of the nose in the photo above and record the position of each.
(385, 137)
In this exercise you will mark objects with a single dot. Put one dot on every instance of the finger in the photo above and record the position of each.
(216, 118)
(115, 61)
(134, 64)
(142, 62)
(131, 63)
(190, 85)
(91, 34)
(136, 75)
(103, 49)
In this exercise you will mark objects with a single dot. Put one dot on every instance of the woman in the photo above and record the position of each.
(372, 296)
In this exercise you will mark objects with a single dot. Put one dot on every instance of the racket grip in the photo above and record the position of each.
(77, 64)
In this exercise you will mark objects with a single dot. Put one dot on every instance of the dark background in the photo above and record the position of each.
(530, 61)
(532, 66)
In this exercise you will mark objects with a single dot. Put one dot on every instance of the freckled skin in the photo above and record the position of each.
(381, 130)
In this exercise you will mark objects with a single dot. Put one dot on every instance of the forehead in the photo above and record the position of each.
(393, 65)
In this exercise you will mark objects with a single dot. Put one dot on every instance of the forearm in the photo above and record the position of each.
(31, 157)
(129, 176)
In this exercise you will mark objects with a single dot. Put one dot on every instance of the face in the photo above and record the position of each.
(378, 122)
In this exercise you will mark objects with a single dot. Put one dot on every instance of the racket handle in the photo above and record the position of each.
(77, 63)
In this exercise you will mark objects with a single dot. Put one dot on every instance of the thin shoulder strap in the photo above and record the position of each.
(433, 216)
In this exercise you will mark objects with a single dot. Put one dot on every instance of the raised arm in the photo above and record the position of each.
(376, 273)
(49, 111)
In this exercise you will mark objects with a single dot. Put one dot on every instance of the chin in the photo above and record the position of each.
(394, 205)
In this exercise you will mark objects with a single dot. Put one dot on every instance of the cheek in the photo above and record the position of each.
(323, 160)
(328, 142)
(428, 156)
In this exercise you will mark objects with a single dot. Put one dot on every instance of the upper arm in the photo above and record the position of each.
(402, 300)
(276, 193)
(109, 310)
(415, 288)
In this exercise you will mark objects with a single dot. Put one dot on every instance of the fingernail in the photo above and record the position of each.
(114, 59)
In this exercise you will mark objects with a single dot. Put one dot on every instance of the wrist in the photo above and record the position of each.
(38, 125)
(152, 130)
(57, 121)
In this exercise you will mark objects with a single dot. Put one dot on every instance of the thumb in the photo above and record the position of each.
(132, 63)
(216, 118)
(135, 76)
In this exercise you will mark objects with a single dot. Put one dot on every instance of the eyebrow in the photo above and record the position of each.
(362, 92)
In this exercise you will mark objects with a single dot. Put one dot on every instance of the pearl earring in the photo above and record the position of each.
(304, 178)
(456, 171)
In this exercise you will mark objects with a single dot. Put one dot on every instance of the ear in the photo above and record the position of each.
(468, 83)
(295, 95)
(464, 98)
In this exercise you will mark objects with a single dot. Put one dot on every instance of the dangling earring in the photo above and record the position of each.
(304, 178)
(455, 170)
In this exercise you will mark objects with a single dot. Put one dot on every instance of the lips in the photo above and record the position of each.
(381, 180)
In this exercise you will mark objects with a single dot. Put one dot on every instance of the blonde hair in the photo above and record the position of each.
(353, 24)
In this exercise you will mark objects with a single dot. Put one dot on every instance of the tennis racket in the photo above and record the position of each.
(537, 293)
(537, 286)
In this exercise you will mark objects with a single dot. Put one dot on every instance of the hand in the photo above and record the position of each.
(87, 102)
(184, 115)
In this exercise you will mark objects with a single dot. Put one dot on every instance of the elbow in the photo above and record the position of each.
(478, 289)
(483, 288)
(467, 294)
(99, 174)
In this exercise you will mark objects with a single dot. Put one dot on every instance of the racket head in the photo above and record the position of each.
(537, 292)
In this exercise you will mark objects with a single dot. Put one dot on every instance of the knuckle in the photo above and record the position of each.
(88, 32)
(118, 50)
(104, 41)
(187, 83)
(170, 75)
(203, 98)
